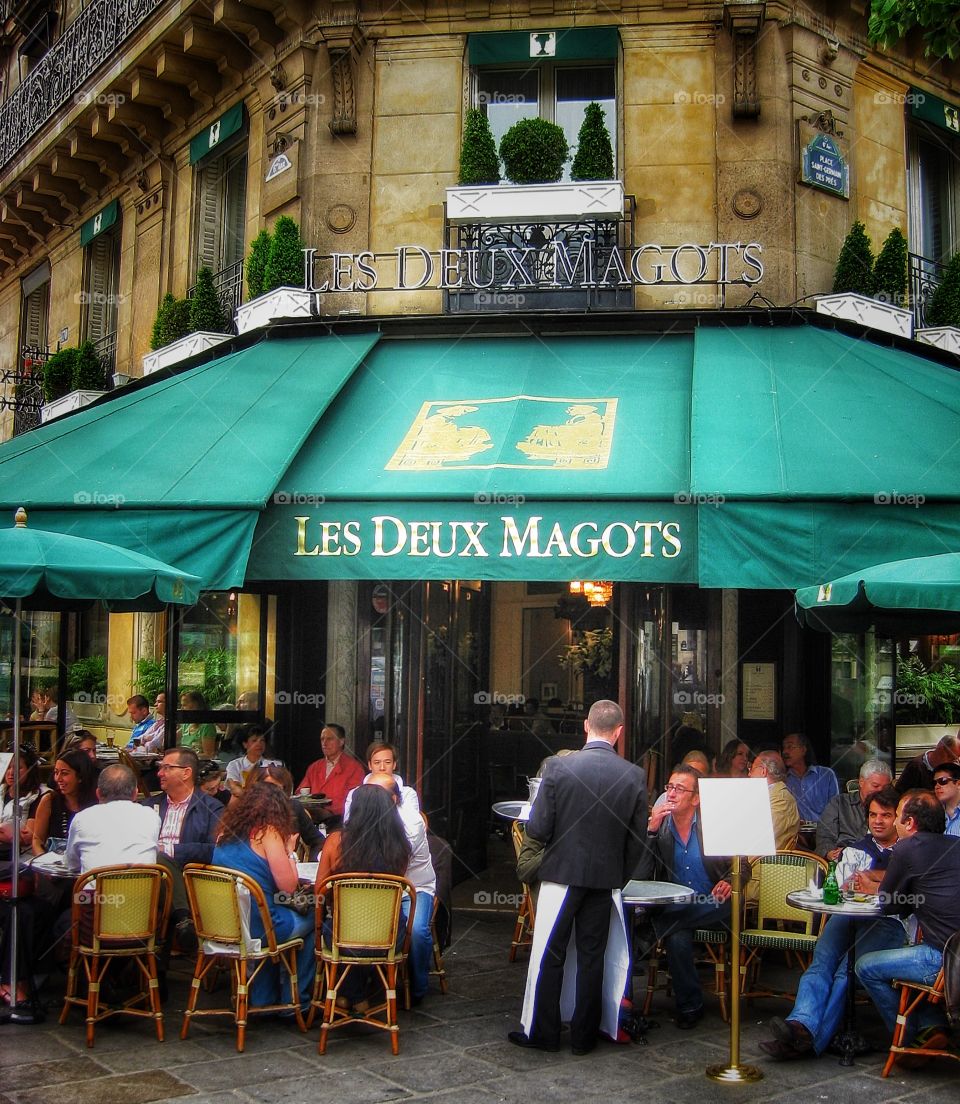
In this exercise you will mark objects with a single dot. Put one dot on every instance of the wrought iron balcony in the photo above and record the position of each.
(22, 388)
(106, 350)
(925, 277)
(89, 41)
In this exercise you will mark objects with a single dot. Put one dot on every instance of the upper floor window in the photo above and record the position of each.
(35, 309)
(934, 180)
(101, 282)
(554, 75)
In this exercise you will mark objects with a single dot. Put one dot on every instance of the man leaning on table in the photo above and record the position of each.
(922, 877)
(818, 1010)
(844, 819)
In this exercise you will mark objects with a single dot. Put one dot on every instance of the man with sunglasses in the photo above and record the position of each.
(946, 788)
(920, 770)
(677, 856)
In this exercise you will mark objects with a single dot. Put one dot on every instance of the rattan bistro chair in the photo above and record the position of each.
(117, 912)
(216, 901)
(358, 926)
(526, 910)
(780, 926)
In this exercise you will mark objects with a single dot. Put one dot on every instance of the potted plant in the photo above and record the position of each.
(58, 374)
(854, 295)
(591, 656)
(943, 313)
(87, 681)
(176, 335)
(479, 163)
(534, 152)
(72, 378)
(927, 704)
(256, 264)
(284, 294)
(594, 157)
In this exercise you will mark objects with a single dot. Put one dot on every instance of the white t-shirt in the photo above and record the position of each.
(237, 769)
(113, 834)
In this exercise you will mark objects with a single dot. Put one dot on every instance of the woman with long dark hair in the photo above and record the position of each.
(274, 774)
(371, 842)
(733, 760)
(31, 791)
(75, 788)
(257, 836)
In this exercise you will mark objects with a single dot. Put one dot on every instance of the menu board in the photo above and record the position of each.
(758, 698)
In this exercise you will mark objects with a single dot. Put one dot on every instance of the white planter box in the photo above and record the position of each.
(868, 312)
(529, 202)
(912, 739)
(281, 303)
(943, 337)
(180, 350)
(76, 400)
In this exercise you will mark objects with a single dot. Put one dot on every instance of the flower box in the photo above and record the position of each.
(601, 199)
(180, 350)
(943, 337)
(66, 404)
(272, 306)
(868, 312)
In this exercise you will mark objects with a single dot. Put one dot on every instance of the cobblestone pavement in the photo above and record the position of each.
(452, 1047)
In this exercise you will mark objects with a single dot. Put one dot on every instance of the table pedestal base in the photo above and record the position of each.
(734, 1074)
(849, 1044)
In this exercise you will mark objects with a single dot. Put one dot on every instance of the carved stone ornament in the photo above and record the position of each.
(743, 21)
(343, 44)
(278, 78)
(825, 122)
(340, 218)
(747, 203)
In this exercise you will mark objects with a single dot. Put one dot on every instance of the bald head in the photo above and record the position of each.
(386, 781)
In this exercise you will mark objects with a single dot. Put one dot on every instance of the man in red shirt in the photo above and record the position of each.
(336, 774)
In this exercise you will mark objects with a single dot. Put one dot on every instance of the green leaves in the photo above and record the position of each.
(479, 163)
(594, 158)
(534, 152)
(892, 20)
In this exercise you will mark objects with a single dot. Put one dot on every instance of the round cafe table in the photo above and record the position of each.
(861, 907)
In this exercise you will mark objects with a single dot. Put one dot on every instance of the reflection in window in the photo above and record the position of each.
(861, 688)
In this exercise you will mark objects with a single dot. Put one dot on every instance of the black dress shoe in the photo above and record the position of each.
(792, 1033)
(780, 1051)
(686, 1020)
(519, 1039)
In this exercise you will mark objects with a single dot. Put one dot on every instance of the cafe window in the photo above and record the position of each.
(220, 209)
(934, 194)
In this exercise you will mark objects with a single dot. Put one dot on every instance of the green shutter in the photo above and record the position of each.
(101, 221)
(931, 109)
(572, 44)
(212, 138)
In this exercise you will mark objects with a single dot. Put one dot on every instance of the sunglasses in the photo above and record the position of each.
(948, 781)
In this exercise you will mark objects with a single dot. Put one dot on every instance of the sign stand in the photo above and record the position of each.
(736, 822)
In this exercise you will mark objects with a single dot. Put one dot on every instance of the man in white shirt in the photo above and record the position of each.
(116, 832)
(382, 759)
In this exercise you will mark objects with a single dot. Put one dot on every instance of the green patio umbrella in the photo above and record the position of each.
(39, 567)
(920, 595)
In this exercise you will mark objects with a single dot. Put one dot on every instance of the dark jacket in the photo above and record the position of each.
(657, 861)
(199, 826)
(844, 821)
(591, 814)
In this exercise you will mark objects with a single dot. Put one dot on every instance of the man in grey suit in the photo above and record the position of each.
(590, 813)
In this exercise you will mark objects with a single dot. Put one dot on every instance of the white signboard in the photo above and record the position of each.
(735, 816)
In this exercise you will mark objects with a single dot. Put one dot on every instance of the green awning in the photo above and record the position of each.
(100, 222)
(215, 135)
(931, 109)
(570, 44)
(180, 469)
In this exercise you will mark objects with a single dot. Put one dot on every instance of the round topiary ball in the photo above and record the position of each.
(534, 151)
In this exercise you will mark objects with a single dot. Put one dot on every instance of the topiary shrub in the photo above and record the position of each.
(206, 312)
(854, 270)
(88, 373)
(479, 163)
(256, 266)
(944, 308)
(172, 321)
(890, 271)
(594, 157)
(58, 374)
(285, 262)
(534, 151)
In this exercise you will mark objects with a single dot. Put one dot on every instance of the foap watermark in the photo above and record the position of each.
(97, 498)
(99, 99)
(298, 697)
(492, 96)
(494, 697)
(115, 702)
(914, 99)
(699, 97)
(296, 498)
(900, 697)
(91, 897)
(297, 96)
(896, 498)
(696, 697)
(682, 498)
(499, 299)
(495, 498)
(495, 898)
(98, 299)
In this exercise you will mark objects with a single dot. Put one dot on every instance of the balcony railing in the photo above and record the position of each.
(84, 46)
(925, 277)
(106, 350)
(22, 388)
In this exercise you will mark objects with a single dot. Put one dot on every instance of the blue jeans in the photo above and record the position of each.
(271, 985)
(917, 963)
(421, 944)
(821, 994)
(675, 926)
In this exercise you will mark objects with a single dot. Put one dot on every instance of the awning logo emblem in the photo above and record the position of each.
(516, 431)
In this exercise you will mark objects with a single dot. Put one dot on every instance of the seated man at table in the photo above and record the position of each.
(336, 774)
(922, 877)
(151, 737)
(844, 818)
(139, 710)
(677, 855)
(117, 831)
(946, 787)
(811, 785)
(382, 759)
(821, 994)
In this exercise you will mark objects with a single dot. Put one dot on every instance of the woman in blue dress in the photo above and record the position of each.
(258, 837)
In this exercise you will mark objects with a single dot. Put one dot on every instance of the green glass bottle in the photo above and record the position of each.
(831, 889)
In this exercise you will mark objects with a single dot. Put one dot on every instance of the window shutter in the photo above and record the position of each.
(235, 199)
(210, 214)
(35, 309)
(98, 289)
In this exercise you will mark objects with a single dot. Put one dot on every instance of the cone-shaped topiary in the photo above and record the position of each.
(206, 312)
(534, 151)
(257, 263)
(890, 271)
(854, 270)
(285, 263)
(944, 308)
(479, 163)
(172, 321)
(88, 373)
(594, 157)
(58, 374)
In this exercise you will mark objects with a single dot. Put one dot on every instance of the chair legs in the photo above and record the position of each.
(911, 997)
(523, 929)
(95, 969)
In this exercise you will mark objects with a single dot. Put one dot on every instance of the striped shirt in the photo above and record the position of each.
(172, 825)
